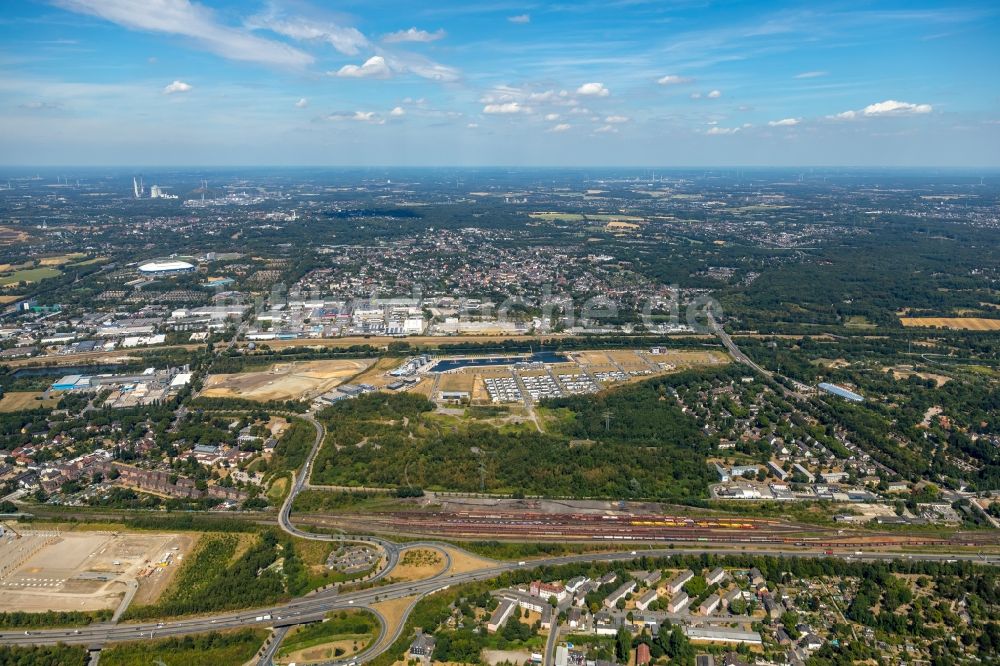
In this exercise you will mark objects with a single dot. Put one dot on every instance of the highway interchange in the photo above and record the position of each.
(316, 605)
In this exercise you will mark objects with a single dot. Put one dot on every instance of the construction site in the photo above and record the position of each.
(49, 569)
(303, 380)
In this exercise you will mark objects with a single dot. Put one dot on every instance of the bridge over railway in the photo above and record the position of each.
(314, 606)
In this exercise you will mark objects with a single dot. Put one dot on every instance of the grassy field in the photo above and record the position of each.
(19, 401)
(313, 555)
(339, 635)
(213, 649)
(28, 275)
(278, 489)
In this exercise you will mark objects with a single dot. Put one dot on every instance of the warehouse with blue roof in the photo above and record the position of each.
(840, 392)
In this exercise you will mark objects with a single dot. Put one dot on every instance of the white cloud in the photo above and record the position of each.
(561, 127)
(715, 94)
(615, 120)
(520, 18)
(346, 40)
(505, 108)
(785, 122)
(580, 110)
(593, 90)
(720, 131)
(413, 35)
(398, 111)
(374, 67)
(552, 116)
(302, 103)
(606, 129)
(192, 20)
(696, 95)
(892, 107)
(177, 87)
(673, 80)
(810, 75)
(424, 68)
(358, 116)
(472, 125)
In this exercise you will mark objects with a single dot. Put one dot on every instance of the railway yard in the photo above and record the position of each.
(632, 527)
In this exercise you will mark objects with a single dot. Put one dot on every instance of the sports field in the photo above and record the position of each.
(303, 380)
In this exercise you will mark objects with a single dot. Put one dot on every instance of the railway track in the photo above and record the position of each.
(638, 528)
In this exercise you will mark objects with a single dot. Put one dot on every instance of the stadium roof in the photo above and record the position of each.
(165, 265)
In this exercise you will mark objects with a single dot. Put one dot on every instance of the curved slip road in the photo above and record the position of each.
(315, 605)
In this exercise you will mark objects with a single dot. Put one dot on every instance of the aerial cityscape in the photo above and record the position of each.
(585, 334)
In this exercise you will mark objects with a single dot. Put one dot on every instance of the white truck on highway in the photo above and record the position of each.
(261, 618)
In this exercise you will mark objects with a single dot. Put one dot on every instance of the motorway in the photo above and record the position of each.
(740, 357)
(314, 606)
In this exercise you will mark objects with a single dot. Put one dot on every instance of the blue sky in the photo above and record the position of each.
(590, 82)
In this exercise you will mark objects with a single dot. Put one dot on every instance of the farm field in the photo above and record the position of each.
(9, 236)
(956, 323)
(61, 259)
(285, 381)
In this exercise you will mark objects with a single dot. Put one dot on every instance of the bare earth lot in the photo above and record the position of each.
(65, 571)
(285, 381)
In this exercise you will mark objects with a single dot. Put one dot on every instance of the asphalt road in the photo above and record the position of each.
(550, 644)
(315, 606)
(272, 648)
(309, 607)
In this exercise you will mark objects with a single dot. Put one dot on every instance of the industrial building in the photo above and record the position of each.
(840, 392)
(730, 636)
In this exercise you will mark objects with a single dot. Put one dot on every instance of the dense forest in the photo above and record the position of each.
(211, 649)
(896, 264)
(631, 442)
(43, 655)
